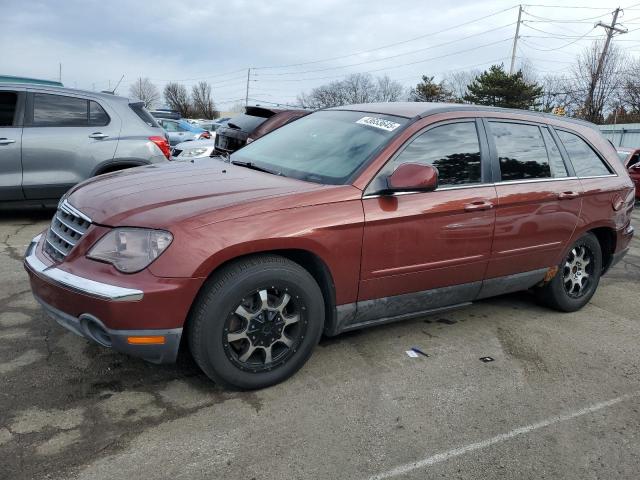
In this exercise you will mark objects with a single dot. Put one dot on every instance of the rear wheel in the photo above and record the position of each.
(256, 322)
(577, 278)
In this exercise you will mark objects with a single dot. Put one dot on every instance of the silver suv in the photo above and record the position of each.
(52, 138)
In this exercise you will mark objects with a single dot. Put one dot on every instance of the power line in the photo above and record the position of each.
(391, 67)
(391, 56)
(437, 32)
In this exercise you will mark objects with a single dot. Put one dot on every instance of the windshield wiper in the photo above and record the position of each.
(253, 166)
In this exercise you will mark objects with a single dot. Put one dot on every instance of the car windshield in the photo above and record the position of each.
(325, 147)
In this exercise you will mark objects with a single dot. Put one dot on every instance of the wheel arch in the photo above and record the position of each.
(307, 259)
(607, 239)
(117, 164)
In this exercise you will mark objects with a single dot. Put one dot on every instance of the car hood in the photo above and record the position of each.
(195, 193)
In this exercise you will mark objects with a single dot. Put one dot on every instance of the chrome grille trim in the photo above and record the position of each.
(67, 228)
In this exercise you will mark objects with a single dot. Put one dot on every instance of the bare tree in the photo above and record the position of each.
(606, 85)
(177, 98)
(557, 92)
(630, 97)
(203, 105)
(457, 83)
(388, 90)
(145, 91)
(356, 88)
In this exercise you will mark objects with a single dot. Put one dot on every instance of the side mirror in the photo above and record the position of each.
(413, 177)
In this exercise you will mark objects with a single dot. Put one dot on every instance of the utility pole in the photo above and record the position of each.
(60, 72)
(515, 40)
(246, 97)
(594, 79)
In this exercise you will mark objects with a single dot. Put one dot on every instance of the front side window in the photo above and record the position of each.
(59, 111)
(328, 146)
(453, 148)
(585, 161)
(8, 101)
(521, 151)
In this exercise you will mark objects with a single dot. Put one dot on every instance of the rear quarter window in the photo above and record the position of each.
(586, 162)
(143, 114)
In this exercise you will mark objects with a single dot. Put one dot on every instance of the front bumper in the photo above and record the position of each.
(92, 328)
(143, 322)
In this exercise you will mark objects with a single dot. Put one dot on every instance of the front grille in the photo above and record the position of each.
(66, 229)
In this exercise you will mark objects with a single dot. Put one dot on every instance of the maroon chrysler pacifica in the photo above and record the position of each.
(349, 217)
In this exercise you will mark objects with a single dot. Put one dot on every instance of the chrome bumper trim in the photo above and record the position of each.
(76, 283)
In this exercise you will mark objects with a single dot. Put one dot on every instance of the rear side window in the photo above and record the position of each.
(558, 168)
(454, 149)
(59, 111)
(97, 116)
(585, 161)
(521, 151)
(143, 114)
(8, 101)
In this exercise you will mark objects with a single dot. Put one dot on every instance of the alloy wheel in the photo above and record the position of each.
(578, 271)
(265, 329)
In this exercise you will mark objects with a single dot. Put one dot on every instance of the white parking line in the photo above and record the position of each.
(444, 456)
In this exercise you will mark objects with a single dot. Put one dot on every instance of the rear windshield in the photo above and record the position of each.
(246, 123)
(325, 147)
(143, 114)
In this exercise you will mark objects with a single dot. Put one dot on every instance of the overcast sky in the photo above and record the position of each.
(186, 40)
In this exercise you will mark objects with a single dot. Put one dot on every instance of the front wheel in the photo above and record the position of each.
(256, 322)
(577, 278)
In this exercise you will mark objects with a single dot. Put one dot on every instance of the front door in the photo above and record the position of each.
(10, 145)
(426, 250)
(539, 200)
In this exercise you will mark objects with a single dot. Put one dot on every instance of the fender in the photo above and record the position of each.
(118, 162)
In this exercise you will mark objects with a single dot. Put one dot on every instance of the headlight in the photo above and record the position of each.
(130, 249)
(196, 152)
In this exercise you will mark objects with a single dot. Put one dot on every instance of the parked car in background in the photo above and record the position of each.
(182, 131)
(211, 125)
(239, 129)
(52, 138)
(631, 160)
(166, 113)
(347, 218)
(194, 149)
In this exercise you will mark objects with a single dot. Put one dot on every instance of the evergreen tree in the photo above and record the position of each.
(430, 91)
(497, 88)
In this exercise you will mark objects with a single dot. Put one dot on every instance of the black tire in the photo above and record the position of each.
(239, 287)
(565, 291)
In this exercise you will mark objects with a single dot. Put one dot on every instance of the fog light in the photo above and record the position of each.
(150, 340)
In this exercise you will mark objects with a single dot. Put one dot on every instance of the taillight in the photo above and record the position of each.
(205, 135)
(163, 145)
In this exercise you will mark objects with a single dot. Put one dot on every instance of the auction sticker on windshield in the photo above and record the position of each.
(379, 123)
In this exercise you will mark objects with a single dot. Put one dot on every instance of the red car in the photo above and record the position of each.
(346, 218)
(631, 159)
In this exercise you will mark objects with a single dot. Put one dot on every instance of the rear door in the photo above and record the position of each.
(432, 245)
(11, 115)
(539, 198)
(64, 139)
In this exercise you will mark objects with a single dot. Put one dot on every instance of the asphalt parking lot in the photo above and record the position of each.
(560, 399)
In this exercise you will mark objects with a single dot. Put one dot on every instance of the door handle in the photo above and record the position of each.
(99, 135)
(481, 205)
(6, 141)
(568, 195)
